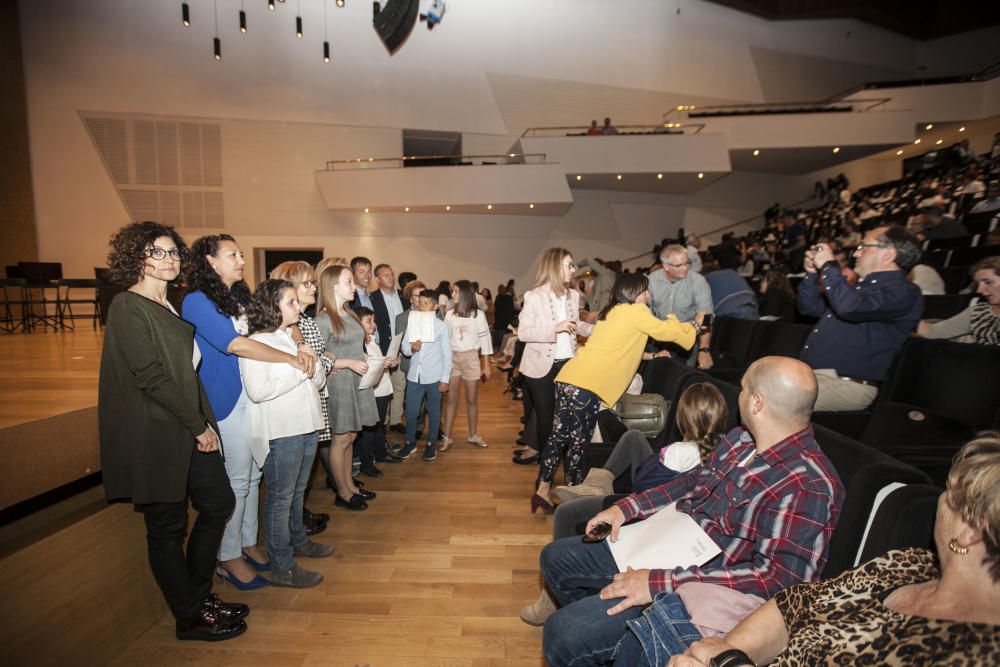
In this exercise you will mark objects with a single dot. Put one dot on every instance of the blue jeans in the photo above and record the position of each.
(581, 632)
(415, 393)
(286, 472)
(663, 630)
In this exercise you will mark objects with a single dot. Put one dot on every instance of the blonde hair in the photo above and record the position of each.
(295, 272)
(331, 274)
(321, 266)
(973, 490)
(701, 416)
(550, 270)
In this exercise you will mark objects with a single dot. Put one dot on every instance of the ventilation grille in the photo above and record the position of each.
(167, 171)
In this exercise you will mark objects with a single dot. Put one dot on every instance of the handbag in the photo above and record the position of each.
(646, 413)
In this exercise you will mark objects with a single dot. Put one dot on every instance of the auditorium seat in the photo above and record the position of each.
(904, 518)
(969, 256)
(770, 338)
(732, 339)
(943, 306)
(955, 278)
(981, 223)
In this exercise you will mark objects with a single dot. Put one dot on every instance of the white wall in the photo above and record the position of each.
(284, 113)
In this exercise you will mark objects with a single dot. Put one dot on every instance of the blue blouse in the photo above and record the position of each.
(219, 370)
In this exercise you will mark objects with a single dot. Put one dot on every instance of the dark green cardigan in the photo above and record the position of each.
(151, 404)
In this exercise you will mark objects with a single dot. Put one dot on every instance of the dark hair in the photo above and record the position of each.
(201, 277)
(380, 266)
(405, 277)
(627, 288)
(908, 252)
(428, 294)
(264, 313)
(127, 256)
(701, 416)
(444, 287)
(465, 303)
(489, 295)
(363, 311)
(358, 261)
(779, 280)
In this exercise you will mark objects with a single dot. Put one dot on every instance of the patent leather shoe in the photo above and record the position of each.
(537, 501)
(355, 504)
(526, 460)
(208, 626)
(367, 495)
(226, 611)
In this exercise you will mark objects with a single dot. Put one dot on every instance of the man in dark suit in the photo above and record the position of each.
(388, 302)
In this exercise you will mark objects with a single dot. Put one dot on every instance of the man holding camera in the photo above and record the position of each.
(861, 327)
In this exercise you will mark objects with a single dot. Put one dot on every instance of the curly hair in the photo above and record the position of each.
(264, 312)
(201, 277)
(127, 254)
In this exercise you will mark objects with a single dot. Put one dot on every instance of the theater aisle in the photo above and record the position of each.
(433, 573)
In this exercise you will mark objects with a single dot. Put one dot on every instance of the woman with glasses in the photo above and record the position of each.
(548, 325)
(159, 442)
(216, 305)
(601, 373)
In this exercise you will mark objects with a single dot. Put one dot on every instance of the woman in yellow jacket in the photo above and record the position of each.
(600, 373)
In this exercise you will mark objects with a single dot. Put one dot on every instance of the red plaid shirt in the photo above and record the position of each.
(772, 517)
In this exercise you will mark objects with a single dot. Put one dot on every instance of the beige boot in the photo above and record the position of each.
(538, 611)
(599, 482)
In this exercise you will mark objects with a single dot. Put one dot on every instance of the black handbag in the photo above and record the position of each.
(646, 413)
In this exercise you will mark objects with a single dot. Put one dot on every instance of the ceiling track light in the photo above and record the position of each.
(929, 126)
(340, 3)
(326, 35)
(185, 14)
(701, 175)
(243, 21)
(326, 52)
(298, 27)
(270, 5)
(217, 48)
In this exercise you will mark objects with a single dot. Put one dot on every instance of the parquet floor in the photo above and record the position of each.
(433, 573)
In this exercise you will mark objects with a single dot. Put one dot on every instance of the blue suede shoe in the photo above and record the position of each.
(260, 567)
(256, 582)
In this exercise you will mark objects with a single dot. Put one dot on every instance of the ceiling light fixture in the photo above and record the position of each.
(406, 209)
(326, 34)
(185, 14)
(298, 21)
(756, 152)
(836, 149)
(579, 177)
(270, 5)
(366, 210)
(489, 207)
(929, 126)
(961, 129)
(701, 174)
(531, 206)
(216, 42)
(340, 3)
(939, 142)
(899, 152)
(659, 177)
(619, 177)
(243, 19)
(916, 141)
(447, 208)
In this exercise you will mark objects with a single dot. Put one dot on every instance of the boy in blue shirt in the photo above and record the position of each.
(430, 370)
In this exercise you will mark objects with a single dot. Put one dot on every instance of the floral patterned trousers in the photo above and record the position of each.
(572, 428)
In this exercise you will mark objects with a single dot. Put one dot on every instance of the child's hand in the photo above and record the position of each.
(443, 387)
(415, 346)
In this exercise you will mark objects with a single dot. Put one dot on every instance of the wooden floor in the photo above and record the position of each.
(433, 573)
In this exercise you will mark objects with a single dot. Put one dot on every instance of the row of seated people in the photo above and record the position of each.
(787, 503)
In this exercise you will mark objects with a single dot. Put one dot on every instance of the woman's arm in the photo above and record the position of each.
(265, 381)
(669, 330)
(953, 327)
(762, 635)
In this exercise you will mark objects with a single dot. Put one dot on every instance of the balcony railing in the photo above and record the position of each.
(434, 161)
(665, 128)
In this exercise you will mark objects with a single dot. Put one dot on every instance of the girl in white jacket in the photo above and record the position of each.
(282, 420)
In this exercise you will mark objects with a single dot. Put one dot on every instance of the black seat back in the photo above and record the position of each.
(943, 306)
(904, 518)
(732, 340)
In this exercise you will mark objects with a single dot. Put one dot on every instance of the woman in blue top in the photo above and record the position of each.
(216, 305)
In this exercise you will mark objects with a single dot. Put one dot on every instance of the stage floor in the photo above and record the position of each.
(44, 374)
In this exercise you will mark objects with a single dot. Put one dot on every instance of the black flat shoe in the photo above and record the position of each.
(317, 516)
(226, 611)
(366, 495)
(357, 482)
(371, 471)
(209, 627)
(523, 461)
(355, 504)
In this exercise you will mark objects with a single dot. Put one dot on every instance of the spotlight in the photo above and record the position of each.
(929, 126)
(579, 177)
(756, 152)
(899, 152)
(217, 48)
(659, 177)
(701, 175)
(619, 177)
(531, 206)
(447, 208)
(434, 14)
(366, 210)
(185, 14)
(326, 52)
(916, 141)
(298, 27)
(836, 149)
(407, 208)
(243, 21)
(961, 129)
(939, 142)
(270, 5)
(489, 207)
(340, 3)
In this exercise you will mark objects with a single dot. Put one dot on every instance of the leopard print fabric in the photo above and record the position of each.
(843, 621)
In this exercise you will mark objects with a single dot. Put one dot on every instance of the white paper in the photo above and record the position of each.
(375, 367)
(420, 326)
(664, 541)
(393, 350)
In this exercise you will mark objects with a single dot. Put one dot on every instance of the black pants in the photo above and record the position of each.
(186, 580)
(370, 443)
(543, 402)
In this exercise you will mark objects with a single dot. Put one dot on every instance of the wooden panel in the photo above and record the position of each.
(81, 596)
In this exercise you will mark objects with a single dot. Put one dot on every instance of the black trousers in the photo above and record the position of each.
(370, 443)
(186, 579)
(543, 402)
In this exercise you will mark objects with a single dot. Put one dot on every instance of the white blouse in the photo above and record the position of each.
(469, 333)
(284, 401)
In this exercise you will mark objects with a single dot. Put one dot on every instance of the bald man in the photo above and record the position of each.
(767, 496)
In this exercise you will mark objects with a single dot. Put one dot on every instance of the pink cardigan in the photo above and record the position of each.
(537, 328)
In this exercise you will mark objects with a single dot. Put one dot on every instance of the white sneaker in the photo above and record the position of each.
(477, 440)
(445, 443)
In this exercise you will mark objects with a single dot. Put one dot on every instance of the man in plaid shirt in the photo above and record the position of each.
(767, 496)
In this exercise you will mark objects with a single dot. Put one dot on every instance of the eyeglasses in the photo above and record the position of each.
(158, 253)
(861, 246)
(678, 266)
(309, 283)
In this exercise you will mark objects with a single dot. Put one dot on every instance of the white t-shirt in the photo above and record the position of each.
(469, 333)
(680, 456)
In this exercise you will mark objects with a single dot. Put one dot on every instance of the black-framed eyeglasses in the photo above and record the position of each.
(159, 253)
(681, 265)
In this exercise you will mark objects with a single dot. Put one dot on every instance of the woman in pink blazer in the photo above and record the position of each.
(549, 324)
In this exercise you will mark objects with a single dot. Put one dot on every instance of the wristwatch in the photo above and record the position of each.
(731, 658)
